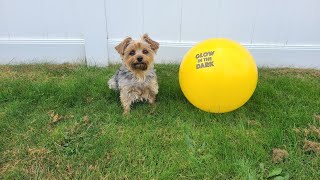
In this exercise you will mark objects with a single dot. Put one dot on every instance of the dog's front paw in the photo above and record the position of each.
(126, 111)
(151, 98)
(112, 84)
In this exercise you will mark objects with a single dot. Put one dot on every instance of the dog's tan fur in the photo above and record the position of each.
(135, 79)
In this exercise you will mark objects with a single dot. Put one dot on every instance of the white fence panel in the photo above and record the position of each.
(124, 18)
(304, 22)
(271, 22)
(199, 20)
(236, 19)
(53, 31)
(278, 33)
(162, 19)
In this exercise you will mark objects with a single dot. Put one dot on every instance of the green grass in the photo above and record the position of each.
(175, 141)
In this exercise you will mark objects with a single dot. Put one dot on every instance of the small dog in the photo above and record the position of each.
(136, 79)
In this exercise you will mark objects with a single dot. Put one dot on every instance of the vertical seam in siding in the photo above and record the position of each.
(180, 25)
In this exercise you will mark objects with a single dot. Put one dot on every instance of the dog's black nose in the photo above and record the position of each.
(139, 59)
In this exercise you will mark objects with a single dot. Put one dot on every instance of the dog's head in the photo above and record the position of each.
(138, 55)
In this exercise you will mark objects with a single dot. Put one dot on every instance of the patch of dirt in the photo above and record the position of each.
(317, 117)
(279, 155)
(311, 146)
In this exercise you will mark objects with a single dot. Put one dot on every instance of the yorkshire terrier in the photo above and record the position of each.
(136, 79)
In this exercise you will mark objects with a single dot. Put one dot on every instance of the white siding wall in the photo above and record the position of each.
(278, 33)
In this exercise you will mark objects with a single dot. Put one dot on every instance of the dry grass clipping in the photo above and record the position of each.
(37, 151)
(254, 123)
(55, 117)
(311, 146)
(279, 155)
(299, 73)
(310, 132)
(86, 119)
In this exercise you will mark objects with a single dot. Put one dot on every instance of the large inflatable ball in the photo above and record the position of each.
(218, 75)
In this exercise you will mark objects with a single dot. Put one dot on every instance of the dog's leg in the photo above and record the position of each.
(125, 101)
(152, 91)
(128, 96)
(151, 98)
(148, 95)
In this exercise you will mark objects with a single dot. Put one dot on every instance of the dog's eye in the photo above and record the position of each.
(145, 51)
(132, 53)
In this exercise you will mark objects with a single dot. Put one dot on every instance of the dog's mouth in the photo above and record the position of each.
(140, 65)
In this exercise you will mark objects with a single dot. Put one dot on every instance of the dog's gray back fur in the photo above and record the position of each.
(125, 78)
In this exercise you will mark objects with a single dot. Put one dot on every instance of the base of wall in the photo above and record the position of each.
(73, 51)
(54, 51)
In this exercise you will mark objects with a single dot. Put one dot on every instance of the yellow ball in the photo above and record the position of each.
(218, 75)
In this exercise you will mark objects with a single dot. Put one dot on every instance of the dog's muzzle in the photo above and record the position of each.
(140, 65)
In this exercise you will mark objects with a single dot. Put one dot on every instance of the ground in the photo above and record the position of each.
(61, 121)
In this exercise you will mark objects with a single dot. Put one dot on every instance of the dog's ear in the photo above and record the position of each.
(153, 44)
(123, 45)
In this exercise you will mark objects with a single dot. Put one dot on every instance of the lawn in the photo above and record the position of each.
(61, 121)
